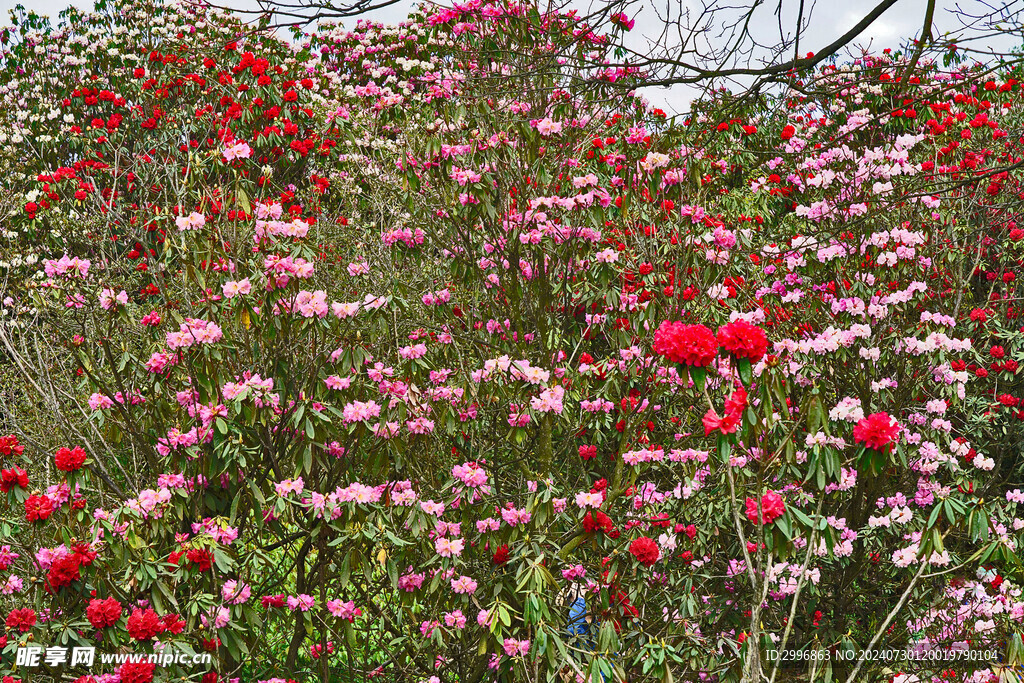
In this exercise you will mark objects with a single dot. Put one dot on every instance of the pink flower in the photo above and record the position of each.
(464, 585)
(344, 610)
(455, 619)
(233, 288)
(100, 402)
(446, 547)
(301, 602)
(108, 299)
(287, 486)
(335, 382)
(515, 648)
(546, 127)
(193, 221)
(235, 592)
(240, 150)
(470, 474)
(622, 20)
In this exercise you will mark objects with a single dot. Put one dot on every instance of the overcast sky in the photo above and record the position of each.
(829, 20)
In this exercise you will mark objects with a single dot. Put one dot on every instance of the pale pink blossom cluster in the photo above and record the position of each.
(193, 221)
(66, 266)
(194, 331)
(239, 150)
(358, 411)
(280, 270)
(407, 236)
(441, 296)
(549, 401)
(149, 503)
(470, 474)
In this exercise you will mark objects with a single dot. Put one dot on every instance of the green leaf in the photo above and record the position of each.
(746, 371)
(698, 375)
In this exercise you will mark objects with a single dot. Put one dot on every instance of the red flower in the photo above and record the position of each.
(9, 445)
(788, 132)
(173, 623)
(588, 452)
(12, 477)
(622, 20)
(727, 425)
(661, 520)
(645, 550)
(877, 431)
(595, 520)
(201, 558)
(772, 507)
(70, 459)
(500, 556)
(38, 508)
(85, 554)
(64, 571)
(736, 403)
(21, 619)
(743, 340)
(272, 601)
(103, 613)
(143, 624)
(692, 345)
(136, 672)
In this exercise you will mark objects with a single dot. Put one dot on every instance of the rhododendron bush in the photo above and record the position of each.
(368, 354)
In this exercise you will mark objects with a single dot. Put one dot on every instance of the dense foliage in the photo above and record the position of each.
(377, 354)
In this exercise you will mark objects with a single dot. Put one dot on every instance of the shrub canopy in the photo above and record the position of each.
(432, 353)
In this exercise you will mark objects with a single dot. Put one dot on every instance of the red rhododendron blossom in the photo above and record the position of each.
(877, 431)
(143, 624)
(203, 559)
(727, 424)
(70, 459)
(103, 613)
(13, 477)
(736, 403)
(645, 550)
(38, 508)
(9, 445)
(595, 520)
(272, 601)
(743, 340)
(692, 345)
(772, 507)
(136, 672)
(64, 571)
(173, 623)
(22, 619)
